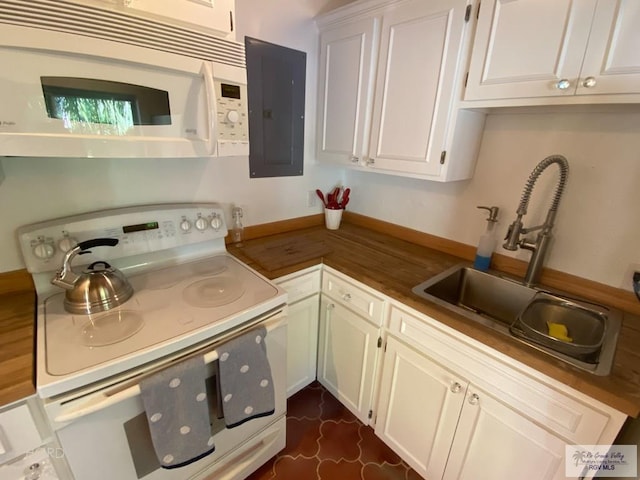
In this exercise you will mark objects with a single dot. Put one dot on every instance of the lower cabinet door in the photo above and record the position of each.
(348, 347)
(495, 442)
(302, 343)
(419, 406)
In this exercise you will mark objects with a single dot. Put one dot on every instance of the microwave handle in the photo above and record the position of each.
(212, 104)
(104, 401)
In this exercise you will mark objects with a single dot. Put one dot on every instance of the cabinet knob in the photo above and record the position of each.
(330, 306)
(563, 84)
(371, 162)
(474, 399)
(346, 297)
(589, 82)
(455, 387)
(354, 159)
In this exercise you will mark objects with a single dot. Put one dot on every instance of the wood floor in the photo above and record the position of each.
(326, 442)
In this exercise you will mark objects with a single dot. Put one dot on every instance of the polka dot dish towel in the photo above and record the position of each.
(177, 408)
(246, 385)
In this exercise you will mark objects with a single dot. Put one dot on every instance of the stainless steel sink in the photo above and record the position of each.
(497, 302)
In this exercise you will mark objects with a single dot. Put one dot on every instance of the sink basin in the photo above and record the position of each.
(522, 312)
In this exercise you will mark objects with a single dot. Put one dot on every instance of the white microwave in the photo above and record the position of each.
(70, 95)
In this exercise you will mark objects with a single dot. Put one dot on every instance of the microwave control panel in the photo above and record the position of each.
(233, 116)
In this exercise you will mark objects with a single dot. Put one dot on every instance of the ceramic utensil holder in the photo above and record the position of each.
(332, 218)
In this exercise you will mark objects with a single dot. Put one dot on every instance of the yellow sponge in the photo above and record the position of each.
(559, 331)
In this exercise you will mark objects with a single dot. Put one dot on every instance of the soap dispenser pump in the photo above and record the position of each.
(488, 241)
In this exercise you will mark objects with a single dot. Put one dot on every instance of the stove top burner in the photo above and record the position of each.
(111, 328)
(172, 308)
(213, 292)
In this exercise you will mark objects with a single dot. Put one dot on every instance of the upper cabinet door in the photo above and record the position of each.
(529, 48)
(210, 14)
(346, 73)
(418, 62)
(612, 60)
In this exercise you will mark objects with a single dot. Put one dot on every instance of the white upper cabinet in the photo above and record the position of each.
(391, 77)
(415, 84)
(559, 49)
(612, 59)
(213, 16)
(346, 59)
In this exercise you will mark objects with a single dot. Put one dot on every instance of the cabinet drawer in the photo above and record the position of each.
(558, 410)
(353, 296)
(300, 286)
(18, 433)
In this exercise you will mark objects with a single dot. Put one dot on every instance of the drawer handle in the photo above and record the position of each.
(346, 297)
(455, 387)
(474, 399)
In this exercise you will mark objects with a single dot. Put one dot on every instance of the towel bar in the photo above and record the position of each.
(105, 399)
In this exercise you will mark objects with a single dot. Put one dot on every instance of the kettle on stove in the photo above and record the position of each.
(98, 288)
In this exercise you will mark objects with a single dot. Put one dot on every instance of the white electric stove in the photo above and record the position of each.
(189, 295)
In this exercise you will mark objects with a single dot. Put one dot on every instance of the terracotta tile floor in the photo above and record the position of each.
(326, 442)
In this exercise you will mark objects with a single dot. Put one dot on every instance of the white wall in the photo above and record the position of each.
(597, 234)
(40, 189)
(597, 226)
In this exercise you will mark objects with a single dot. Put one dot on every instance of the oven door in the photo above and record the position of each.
(105, 435)
(71, 96)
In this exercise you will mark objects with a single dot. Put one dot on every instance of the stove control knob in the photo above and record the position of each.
(185, 225)
(202, 224)
(66, 243)
(44, 251)
(216, 222)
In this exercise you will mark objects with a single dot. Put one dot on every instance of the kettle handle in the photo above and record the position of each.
(98, 242)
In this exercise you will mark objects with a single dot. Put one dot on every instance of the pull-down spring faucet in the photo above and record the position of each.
(541, 243)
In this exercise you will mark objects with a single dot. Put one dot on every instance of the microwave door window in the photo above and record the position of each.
(102, 107)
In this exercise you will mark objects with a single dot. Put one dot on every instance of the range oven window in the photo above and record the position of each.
(83, 101)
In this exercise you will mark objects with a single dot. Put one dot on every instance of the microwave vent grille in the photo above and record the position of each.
(96, 22)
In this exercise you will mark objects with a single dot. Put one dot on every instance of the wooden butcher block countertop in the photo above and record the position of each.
(385, 263)
(393, 267)
(17, 332)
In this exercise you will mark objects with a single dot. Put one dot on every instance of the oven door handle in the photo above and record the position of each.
(105, 400)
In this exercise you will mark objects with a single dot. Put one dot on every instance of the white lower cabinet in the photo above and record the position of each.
(347, 351)
(351, 317)
(448, 405)
(302, 343)
(494, 442)
(420, 402)
(446, 428)
(302, 327)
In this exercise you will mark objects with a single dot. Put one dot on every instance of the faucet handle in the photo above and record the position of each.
(493, 213)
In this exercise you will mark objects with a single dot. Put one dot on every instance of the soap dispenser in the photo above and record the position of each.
(488, 241)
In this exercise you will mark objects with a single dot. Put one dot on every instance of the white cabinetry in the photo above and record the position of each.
(420, 403)
(23, 447)
(213, 16)
(580, 52)
(302, 327)
(410, 124)
(453, 412)
(349, 341)
(494, 441)
(209, 14)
